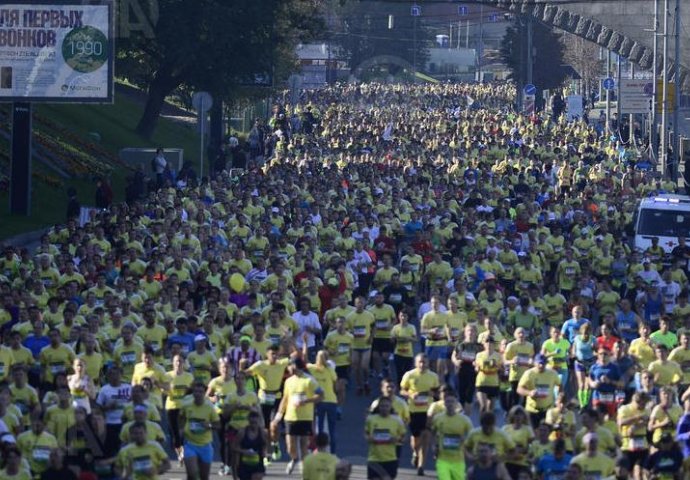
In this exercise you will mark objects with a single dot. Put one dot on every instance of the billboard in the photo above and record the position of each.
(635, 96)
(56, 52)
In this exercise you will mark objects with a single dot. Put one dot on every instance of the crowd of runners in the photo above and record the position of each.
(464, 267)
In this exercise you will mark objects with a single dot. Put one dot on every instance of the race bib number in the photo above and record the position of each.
(395, 298)
(638, 443)
(454, 333)
(606, 397)
(197, 426)
(382, 436)
(468, 356)
(543, 391)
(381, 324)
(421, 399)
(128, 358)
(298, 398)
(523, 360)
(267, 397)
(56, 368)
(360, 332)
(41, 454)
(142, 464)
(451, 442)
(570, 271)
(343, 348)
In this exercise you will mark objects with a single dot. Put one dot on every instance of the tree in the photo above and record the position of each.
(583, 56)
(214, 45)
(547, 71)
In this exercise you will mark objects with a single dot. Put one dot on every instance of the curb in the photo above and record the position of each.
(25, 239)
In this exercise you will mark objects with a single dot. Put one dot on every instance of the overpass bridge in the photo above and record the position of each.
(621, 26)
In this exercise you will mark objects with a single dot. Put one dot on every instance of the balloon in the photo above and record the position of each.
(237, 282)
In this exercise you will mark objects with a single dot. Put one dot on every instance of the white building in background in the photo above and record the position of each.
(319, 63)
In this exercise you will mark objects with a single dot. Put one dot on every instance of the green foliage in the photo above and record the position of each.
(547, 72)
(215, 45)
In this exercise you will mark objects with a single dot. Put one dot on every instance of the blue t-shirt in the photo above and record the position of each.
(610, 370)
(571, 328)
(553, 468)
(186, 340)
(627, 325)
(584, 349)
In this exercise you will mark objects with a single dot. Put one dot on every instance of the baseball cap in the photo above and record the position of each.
(200, 338)
(245, 338)
(541, 359)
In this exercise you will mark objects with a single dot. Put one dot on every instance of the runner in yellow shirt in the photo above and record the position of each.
(487, 364)
(632, 420)
(339, 343)
(199, 418)
(451, 429)
(300, 393)
(419, 385)
(383, 433)
(593, 463)
(320, 465)
(360, 323)
(141, 459)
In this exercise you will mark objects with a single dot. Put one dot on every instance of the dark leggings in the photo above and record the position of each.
(467, 375)
(402, 365)
(224, 445)
(174, 424)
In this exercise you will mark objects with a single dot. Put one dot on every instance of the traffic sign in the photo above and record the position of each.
(635, 96)
(609, 83)
(530, 89)
(416, 11)
(202, 102)
(528, 103)
(670, 93)
(462, 10)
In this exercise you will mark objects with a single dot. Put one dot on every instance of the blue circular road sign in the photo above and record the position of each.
(609, 83)
(530, 89)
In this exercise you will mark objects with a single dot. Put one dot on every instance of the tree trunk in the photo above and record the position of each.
(162, 85)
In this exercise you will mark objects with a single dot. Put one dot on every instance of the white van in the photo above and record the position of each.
(663, 216)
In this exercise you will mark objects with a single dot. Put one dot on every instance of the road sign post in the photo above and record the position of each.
(202, 103)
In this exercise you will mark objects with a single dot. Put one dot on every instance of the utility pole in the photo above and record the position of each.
(631, 135)
(655, 68)
(618, 94)
(608, 92)
(414, 49)
(467, 34)
(480, 46)
(664, 98)
(450, 35)
(676, 106)
(530, 56)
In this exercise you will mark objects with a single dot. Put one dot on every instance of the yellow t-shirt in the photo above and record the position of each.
(521, 438)
(319, 466)
(360, 324)
(384, 317)
(544, 383)
(433, 325)
(607, 442)
(58, 421)
(385, 434)
(403, 340)
(36, 449)
(659, 414)
(298, 388)
(681, 356)
(498, 442)
(522, 354)
(451, 431)
(598, 466)
(142, 459)
(665, 374)
(326, 377)
(55, 360)
(240, 416)
(197, 419)
(179, 388)
(642, 351)
(421, 385)
(488, 368)
(340, 347)
(201, 365)
(270, 379)
(222, 389)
